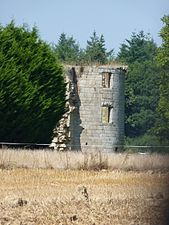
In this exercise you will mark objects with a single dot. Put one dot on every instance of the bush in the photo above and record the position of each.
(32, 88)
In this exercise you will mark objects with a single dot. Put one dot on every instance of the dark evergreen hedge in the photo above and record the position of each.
(32, 87)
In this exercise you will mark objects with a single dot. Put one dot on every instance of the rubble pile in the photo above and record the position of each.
(61, 139)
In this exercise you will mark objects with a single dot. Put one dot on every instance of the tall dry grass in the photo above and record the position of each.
(48, 197)
(89, 160)
(68, 191)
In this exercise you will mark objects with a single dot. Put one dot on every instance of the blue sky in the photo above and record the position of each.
(115, 19)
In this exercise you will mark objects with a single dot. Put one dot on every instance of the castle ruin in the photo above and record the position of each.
(94, 119)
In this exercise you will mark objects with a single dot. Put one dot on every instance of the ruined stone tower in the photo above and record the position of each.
(95, 115)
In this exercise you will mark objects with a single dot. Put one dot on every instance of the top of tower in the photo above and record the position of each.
(101, 68)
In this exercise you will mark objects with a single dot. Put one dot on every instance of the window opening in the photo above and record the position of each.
(105, 114)
(106, 79)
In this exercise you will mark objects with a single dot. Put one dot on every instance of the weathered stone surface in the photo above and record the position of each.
(86, 124)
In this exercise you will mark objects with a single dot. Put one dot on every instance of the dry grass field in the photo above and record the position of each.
(71, 188)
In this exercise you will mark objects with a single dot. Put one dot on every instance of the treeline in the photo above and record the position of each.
(69, 51)
(146, 83)
(147, 88)
(32, 89)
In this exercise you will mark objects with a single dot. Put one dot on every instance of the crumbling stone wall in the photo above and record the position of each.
(62, 133)
(95, 109)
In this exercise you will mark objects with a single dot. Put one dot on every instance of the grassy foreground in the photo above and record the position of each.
(90, 160)
(45, 196)
(37, 193)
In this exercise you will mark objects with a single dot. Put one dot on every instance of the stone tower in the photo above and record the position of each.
(95, 116)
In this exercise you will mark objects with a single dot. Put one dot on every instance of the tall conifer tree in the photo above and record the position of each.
(32, 88)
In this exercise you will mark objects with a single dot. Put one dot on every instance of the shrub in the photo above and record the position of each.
(32, 88)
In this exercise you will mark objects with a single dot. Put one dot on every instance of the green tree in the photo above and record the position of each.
(141, 85)
(95, 51)
(32, 88)
(138, 48)
(162, 126)
(67, 50)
